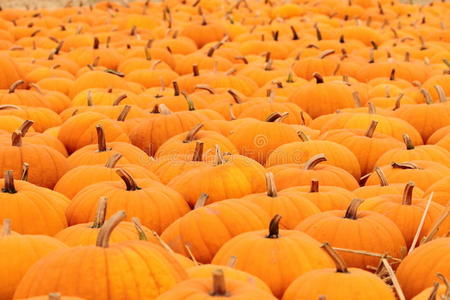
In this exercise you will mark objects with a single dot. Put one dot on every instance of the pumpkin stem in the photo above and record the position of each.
(407, 193)
(447, 286)
(276, 117)
(100, 215)
(407, 140)
(14, 86)
(231, 113)
(374, 45)
(235, 96)
(54, 296)
(25, 171)
(190, 103)
(405, 165)
(441, 93)
(341, 266)
(195, 70)
(314, 186)
(176, 88)
(112, 161)
(434, 291)
(295, 36)
(356, 99)
(201, 201)
(89, 100)
(243, 58)
(372, 108)
(8, 185)
(6, 228)
(314, 161)
(162, 109)
(271, 186)
(25, 127)
(191, 134)
(219, 159)
(139, 228)
(119, 99)
(101, 139)
(129, 181)
(198, 151)
(392, 75)
(96, 43)
(274, 227)
(10, 106)
(426, 96)
(352, 209)
(318, 33)
(124, 113)
(318, 77)
(398, 101)
(218, 284)
(205, 87)
(108, 227)
(381, 176)
(189, 250)
(371, 130)
(303, 136)
(16, 138)
(326, 53)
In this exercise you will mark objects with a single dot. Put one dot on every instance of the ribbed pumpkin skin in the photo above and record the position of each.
(370, 232)
(200, 289)
(425, 261)
(128, 270)
(425, 294)
(440, 190)
(276, 261)
(207, 228)
(355, 285)
(156, 205)
(33, 210)
(205, 271)
(424, 152)
(17, 254)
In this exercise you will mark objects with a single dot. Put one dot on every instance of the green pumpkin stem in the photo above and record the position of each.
(108, 227)
(352, 209)
(191, 134)
(218, 284)
(408, 142)
(8, 185)
(274, 227)
(139, 228)
(314, 186)
(6, 228)
(129, 181)
(100, 215)
(341, 266)
(270, 185)
(371, 130)
(407, 193)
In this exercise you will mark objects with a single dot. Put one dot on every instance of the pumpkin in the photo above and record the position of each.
(37, 210)
(19, 253)
(367, 145)
(43, 118)
(289, 203)
(436, 290)
(436, 254)
(156, 205)
(204, 271)
(324, 197)
(224, 220)
(10, 71)
(218, 287)
(301, 251)
(440, 191)
(289, 175)
(54, 296)
(339, 283)
(86, 234)
(84, 175)
(299, 152)
(42, 159)
(237, 175)
(373, 231)
(406, 212)
(423, 173)
(159, 270)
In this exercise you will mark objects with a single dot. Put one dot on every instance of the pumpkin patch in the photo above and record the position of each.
(215, 149)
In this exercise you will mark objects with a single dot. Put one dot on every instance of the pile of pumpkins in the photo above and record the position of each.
(246, 149)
